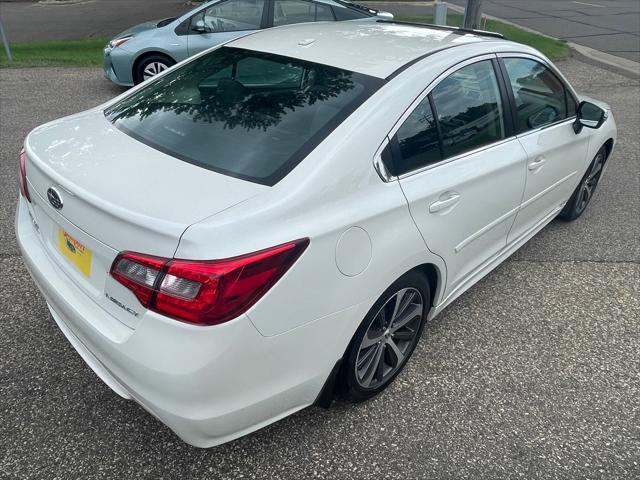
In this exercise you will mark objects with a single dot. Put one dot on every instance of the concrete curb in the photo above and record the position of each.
(621, 65)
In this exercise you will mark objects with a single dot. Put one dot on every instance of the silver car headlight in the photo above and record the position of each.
(116, 42)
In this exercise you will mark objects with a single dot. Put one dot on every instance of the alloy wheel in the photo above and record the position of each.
(152, 69)
(589, 183)
(389, 338)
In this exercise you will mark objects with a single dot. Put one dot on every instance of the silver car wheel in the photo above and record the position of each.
(153, 69)
(589, 183)
(389, 338)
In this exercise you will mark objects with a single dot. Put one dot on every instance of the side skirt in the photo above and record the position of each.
(493, 262)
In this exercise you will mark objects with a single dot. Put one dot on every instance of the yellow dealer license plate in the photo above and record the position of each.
(75, 252)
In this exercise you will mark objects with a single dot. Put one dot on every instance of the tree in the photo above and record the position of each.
(473, 14)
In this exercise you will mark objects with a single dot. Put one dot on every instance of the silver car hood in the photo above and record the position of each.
(142, 27)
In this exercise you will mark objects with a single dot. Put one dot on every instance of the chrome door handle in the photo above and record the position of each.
(536, 164)
(446, 200)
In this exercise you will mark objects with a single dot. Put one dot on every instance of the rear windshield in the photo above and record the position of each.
(243, 113)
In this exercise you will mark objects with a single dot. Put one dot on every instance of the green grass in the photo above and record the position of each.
(552, 48)
(67, 53)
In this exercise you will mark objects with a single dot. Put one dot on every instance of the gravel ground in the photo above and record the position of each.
(533, 373)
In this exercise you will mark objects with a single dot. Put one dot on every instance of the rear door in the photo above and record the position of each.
(545, 110)
(460, 168)
(224, 21)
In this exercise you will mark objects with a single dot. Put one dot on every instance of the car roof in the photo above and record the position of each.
(375, 48)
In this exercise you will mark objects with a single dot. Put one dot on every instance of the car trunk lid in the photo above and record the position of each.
(116, 194)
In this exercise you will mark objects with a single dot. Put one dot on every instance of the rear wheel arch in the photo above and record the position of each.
(390, 353)
(333, 386)
(434, 277)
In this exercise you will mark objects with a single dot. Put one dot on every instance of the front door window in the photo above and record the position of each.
(230, 16)
(541, 98)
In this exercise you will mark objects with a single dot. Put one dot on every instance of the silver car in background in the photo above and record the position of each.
(149, 48)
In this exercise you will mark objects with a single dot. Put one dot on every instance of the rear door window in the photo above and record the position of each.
(418, 140)
(469, 109)
(463, 112)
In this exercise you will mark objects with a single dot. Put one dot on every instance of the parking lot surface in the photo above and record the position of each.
(611, 26)
(533, 373)
(28, 21)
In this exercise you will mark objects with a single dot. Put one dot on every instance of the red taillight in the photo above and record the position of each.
(24, 189)
(204, 292)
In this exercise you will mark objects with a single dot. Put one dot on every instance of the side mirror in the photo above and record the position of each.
(589, 115)
(384, 15)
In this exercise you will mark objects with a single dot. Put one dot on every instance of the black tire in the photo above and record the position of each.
(148, 60)
(582, 195)
(352, 385)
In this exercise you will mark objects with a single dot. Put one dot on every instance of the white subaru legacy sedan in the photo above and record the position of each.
(272, 222)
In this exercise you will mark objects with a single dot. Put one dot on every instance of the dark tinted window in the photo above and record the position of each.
(298, 11)
(247, 114)
(469, 108)
(417, 140)
(231, 16)
(349, 13)
(324, 13)
(572, 107)
(540, 96)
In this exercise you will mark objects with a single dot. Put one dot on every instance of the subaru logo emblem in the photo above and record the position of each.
(54, 198)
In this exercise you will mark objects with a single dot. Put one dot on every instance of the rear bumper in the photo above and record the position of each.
(208, 384)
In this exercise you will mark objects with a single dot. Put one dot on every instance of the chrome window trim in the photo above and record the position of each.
(454, 158)
(434, 83)
(568, 120)
(379, 165)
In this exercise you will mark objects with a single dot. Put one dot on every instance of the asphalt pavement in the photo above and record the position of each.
(533, 373)
(30, 21)
(611, 26)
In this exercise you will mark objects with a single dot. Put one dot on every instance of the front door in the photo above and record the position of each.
(545, 110)
(461, 170)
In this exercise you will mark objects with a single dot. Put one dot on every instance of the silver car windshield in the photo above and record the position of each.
(246, 114)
